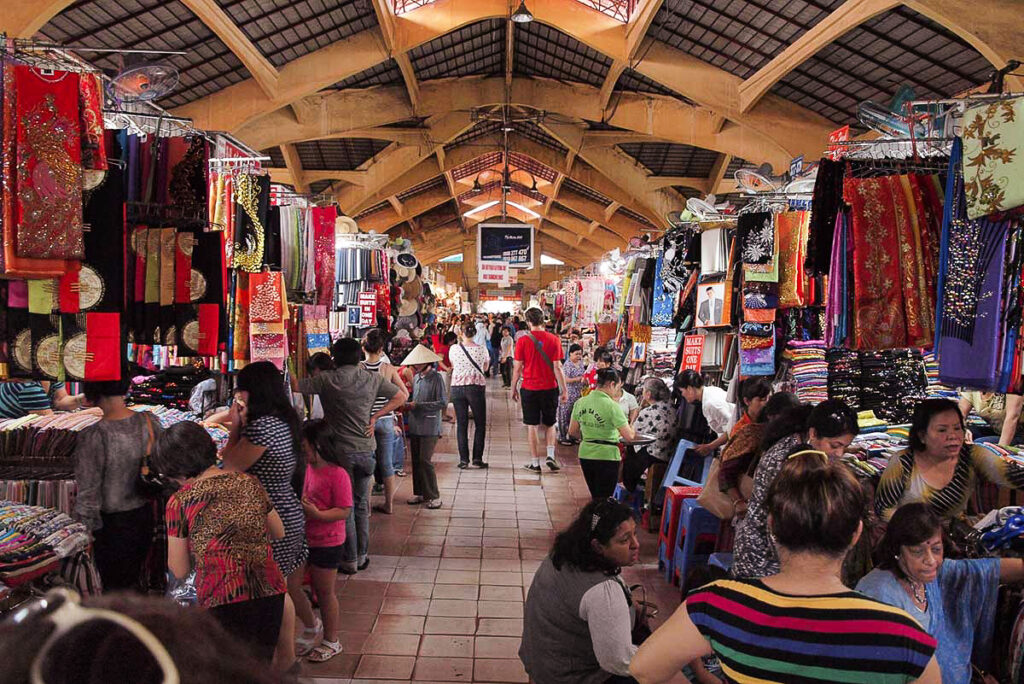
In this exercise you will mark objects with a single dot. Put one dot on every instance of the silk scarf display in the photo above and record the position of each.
(791, 228)
(993, 157)
(323, 241)
(825, 205)
(663, 304)
(48, 209)
(756, 234)
(252, 198)
(973, 254)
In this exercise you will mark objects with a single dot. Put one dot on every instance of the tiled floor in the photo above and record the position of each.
(443, 597)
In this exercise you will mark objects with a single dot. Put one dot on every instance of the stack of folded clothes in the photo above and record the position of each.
(34, 540)
(809, 370)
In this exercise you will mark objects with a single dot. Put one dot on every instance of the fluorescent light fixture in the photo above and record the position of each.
(485, 205)
(523, 209)
(546, 260)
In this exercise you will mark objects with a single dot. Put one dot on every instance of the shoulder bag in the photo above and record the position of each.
(539, 346)
(470, 359)
(151, 484)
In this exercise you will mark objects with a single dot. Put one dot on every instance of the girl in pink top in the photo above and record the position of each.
(327, 502)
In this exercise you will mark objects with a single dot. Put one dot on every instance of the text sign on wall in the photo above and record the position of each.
(693, 353)
(367, 309)
(493, 272)
(511, 242)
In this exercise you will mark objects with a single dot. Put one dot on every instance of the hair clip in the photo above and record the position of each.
(807, 452)
(594, 519)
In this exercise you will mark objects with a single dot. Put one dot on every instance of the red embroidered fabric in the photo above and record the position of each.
(48, 208)
(324, 263)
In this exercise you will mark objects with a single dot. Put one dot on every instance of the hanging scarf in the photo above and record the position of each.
(756, 235)
(993, 157)
(827, 201)
(663, 307)
(792, 238)
(973, 253)
(879, 321)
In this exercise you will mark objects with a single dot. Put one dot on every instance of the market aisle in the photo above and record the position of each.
(443, 597)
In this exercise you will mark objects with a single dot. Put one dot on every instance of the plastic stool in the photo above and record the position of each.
(635, 500)
(672, 476)
(721, 560)
(696, 524)
(674, 497)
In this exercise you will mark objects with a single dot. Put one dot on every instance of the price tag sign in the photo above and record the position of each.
(837, 152)
(367, 309)
(693, 353)
(796, 167)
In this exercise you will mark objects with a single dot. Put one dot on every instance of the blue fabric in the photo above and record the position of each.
(961, 608)
(663, 303)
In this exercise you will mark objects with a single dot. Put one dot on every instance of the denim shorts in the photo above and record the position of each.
(384, 432)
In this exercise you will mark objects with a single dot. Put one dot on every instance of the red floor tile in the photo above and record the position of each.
(385, 667)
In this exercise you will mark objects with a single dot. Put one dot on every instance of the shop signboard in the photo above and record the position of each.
(836, 151)
(511, 242)
(367, 309)
(493, 273)
(693, 353)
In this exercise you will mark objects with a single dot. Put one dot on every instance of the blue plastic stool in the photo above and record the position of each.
(672, 476)
(721, 560)
(674, 497)
(635, 500)
(695, 522)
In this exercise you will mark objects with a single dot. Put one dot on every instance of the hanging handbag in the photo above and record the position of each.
(151, 484)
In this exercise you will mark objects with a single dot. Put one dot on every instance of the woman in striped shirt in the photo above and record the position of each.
(801, 625)
(939, 469)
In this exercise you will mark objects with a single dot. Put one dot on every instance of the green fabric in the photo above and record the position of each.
(600, 417)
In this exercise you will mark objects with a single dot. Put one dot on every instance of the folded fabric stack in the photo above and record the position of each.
(34, 444)
(661, 353)
(172, 388)
(34, 539)
(809, 370)
(757, 348)
(58, 494)
(937, 390)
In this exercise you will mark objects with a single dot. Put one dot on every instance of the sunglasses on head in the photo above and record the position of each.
(62, 608)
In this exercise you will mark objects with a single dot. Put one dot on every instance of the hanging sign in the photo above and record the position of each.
(796, 167)
(511, 242)
(835, 151)
(693, 352)
(493, 273)
(367, 309)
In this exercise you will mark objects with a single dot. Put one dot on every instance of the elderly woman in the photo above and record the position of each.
(427, 403)
(954, 600)
(657, 419)
(801, 624)
(578, 614)
(939, 469)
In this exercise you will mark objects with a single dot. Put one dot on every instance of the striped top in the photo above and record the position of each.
(903, 483)
(18, 399)
(379, 401)
(762, 636)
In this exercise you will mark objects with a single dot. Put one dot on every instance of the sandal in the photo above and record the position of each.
(324, 652)
(400, 473)
(434, 505)
(380, 508)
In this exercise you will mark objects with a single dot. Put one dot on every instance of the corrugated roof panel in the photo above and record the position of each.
(384, 74)
(345, 154)
(671, 159)
(541, 50)
(473, 50)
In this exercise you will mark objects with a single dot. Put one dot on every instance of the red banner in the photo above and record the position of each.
(693, 353)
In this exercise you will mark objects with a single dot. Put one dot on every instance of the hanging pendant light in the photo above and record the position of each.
(477, 188)
(522, 15)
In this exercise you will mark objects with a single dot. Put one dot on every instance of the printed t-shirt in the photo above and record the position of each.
(224, 518)
(537, 374)
(600, 417)
(326, 487)
(763, 636)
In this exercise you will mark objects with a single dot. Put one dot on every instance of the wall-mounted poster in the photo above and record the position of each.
(712, 307)
(511, 242)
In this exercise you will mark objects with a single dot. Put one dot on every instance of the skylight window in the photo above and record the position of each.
(456, 258)
(403, 6)
(546, 260)
(616, 9)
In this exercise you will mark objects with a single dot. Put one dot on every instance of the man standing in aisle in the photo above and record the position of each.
(536, 361)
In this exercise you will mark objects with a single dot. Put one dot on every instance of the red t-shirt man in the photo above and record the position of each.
(537, 374)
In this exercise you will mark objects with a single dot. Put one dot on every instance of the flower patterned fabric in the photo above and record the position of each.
(993, 157)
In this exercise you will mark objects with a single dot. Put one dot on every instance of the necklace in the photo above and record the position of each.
(917, 589)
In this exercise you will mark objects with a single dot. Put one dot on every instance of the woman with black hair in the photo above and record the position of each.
(939, 469)
(108, 459)
(265, 442)
(219, 523)
(829, 427)
(578, 614)
(802, 624)
(598, 421)
(954, 600)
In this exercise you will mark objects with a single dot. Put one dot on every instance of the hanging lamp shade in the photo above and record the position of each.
(522, 15)
(477, 188)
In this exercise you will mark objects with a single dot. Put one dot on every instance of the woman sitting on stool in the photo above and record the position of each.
(579, 618)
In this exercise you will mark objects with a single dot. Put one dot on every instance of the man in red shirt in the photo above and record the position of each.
(537, 360)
